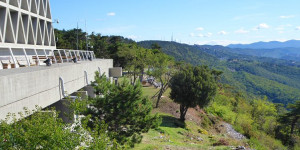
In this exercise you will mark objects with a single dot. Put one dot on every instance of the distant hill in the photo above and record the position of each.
(288, 53)
(268, 45)
(277, 79)
(289, 50)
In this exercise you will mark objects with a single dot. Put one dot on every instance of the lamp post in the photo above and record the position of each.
(57, 22)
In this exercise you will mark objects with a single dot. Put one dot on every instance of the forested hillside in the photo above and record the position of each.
(277, 79)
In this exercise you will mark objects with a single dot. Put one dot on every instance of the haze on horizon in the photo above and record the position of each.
(192, 22)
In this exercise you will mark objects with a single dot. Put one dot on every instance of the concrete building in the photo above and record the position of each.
(26, 40)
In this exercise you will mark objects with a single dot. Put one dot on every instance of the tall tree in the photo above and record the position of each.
(124, 109)
(162, 69)
(191, 87)
(135, 58)
(290, 127)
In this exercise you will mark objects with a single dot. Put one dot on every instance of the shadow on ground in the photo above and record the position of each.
(170, 121)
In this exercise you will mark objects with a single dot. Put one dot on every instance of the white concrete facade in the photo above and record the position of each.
(26, 40)
(26, 24)
(28, 87)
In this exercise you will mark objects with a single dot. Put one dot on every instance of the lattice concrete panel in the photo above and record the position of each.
(26, 23)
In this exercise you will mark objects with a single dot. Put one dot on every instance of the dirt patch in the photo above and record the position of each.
(169, 107)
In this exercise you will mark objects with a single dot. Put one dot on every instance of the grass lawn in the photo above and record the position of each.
(175, 135)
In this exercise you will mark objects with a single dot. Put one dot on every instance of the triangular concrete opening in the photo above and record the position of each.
(2, 19)
(14, 15)
(46, 38)
(21, 33)
(41, 9)
(25, 22)
(30, 39)
(24, 5)
(39, 36)
(9, 34)
(0, 36)
(34, 25)
(52, 38)
(14, 3)
(48, 10)
(49, 28)
(33, 6)
(42, 27)
(45, 4)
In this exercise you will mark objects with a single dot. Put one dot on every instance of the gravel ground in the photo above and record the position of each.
(232, 133)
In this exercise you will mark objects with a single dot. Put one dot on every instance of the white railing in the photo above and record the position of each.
(25, 57)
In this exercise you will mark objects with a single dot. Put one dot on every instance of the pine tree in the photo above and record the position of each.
(193, 86)
(124, 109)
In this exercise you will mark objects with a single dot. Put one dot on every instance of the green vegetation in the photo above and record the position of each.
(191, 87)
(44, 130)
(123, 108)
(121, 115)
(162, 70)
(257, 77)
(290, 125)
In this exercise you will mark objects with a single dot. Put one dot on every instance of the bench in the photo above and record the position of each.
(43, 58)
(22, 61)
(7, 63)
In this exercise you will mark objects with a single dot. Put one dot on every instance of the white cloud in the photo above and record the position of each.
(133, 37)
(279, 28)
(262, 26)
(283, 27)
(287, 17)
(298, 28)
(220, 42)
(200, 35)
(199, 29)
(288, 25)
(208, 34)
(192, 34)
(111, 14)
(222, 33)
(241, 31)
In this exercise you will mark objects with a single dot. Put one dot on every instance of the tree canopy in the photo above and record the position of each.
(123, 108)
(193, 86)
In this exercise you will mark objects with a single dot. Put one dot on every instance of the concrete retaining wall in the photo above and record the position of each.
(28, 87)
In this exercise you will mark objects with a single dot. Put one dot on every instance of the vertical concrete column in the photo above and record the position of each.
(37, 57)
(26, 57)
(90, 91)
(63, 107)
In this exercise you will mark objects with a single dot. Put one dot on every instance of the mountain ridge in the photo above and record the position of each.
(268, 45)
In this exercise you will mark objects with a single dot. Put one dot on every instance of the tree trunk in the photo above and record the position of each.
(142, 76)
(183, 111)
(160, 94)
(134, 78)
(294, 121)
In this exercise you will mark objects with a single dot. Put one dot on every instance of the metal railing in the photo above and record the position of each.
(26, 57)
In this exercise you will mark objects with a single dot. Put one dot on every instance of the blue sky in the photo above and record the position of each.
(189, 21)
